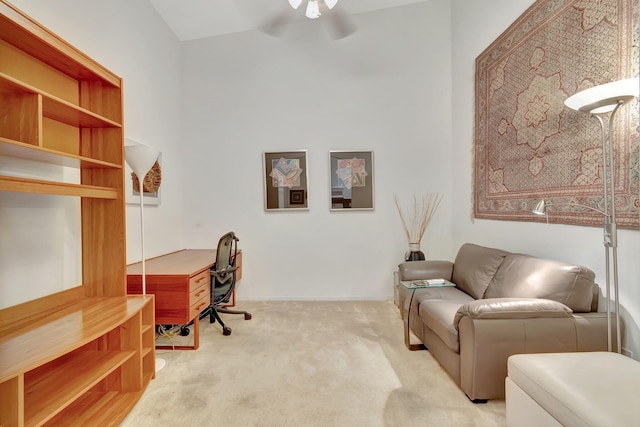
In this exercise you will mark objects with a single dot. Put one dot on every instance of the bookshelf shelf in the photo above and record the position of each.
(81, 356)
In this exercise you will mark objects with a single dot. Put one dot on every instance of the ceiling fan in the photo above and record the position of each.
(313, 8)
(340, 25)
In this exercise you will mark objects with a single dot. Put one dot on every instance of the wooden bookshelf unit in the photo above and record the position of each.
(82, 356)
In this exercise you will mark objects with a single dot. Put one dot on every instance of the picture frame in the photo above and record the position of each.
(286, 186)
(351, 180)
(152, 178)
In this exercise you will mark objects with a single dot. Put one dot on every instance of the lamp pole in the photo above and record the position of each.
(144, 273)
(600, 100)
(141, 159)
(610, 230)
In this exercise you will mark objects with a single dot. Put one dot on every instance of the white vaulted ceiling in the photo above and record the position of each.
(195, 19)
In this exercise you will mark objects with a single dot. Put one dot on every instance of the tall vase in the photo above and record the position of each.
(414, 254)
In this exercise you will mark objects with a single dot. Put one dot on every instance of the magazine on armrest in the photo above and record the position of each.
(428, 282)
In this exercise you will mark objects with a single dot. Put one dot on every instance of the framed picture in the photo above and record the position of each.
(285, 180)
(351, 180)
(151, 185)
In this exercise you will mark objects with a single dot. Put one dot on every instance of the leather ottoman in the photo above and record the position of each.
(594, 389)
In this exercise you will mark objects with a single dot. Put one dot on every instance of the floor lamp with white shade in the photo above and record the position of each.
(141, 159)
(600, 101)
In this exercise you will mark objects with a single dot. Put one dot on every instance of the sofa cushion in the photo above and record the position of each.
(474, 267)
(523, 276)
(438, 310)
(449, 293)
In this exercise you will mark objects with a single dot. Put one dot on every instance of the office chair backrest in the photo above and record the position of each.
(226, 258)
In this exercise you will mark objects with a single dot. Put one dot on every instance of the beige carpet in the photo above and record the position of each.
(307, 364)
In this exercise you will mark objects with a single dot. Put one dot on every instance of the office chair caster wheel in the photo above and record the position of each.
(184, 331)
(247, 316)
(226, 330)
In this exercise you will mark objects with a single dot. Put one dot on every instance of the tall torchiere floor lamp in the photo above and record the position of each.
(600, 101)
(141, 159)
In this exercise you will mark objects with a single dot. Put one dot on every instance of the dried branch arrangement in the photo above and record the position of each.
(416, 220)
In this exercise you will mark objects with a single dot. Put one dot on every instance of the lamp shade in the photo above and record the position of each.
(141, 158)
(604, 98)
(295, 3)
(540, 208)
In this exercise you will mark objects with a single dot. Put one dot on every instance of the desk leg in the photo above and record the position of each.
(407, 332)
(196, 339)
(196, 332)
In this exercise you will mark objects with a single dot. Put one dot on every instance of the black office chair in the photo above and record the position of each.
(223, 281)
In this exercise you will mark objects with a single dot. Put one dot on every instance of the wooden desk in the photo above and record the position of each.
(180, 282)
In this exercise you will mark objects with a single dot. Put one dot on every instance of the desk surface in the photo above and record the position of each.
(185, 262)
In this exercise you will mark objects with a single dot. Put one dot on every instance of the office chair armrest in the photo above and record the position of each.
(224, 271)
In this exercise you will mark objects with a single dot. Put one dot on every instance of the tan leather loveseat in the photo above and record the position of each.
(503, 303)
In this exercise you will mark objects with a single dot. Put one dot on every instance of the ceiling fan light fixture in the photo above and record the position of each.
(313, 10)
(330, 3)
(295, 3)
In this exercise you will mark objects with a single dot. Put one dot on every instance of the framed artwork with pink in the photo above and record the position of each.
(285, 180)
(351, 180)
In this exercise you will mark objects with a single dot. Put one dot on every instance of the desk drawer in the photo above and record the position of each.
(199, 305)
(198, 294)
(200, 279)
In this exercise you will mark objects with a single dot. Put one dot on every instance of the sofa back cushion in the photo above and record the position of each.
(523, 276)
(419, 270)
(474, 267)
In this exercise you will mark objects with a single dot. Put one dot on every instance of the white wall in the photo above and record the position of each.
(476, 25)
(386, 88)
(130, 39)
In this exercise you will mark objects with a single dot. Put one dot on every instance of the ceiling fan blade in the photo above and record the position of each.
(340, 25)
(276, 25)
(295, 3)
(330, 3)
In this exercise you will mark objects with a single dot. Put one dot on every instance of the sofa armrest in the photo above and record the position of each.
(512, 308)
(430, 269)
(485, 345)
